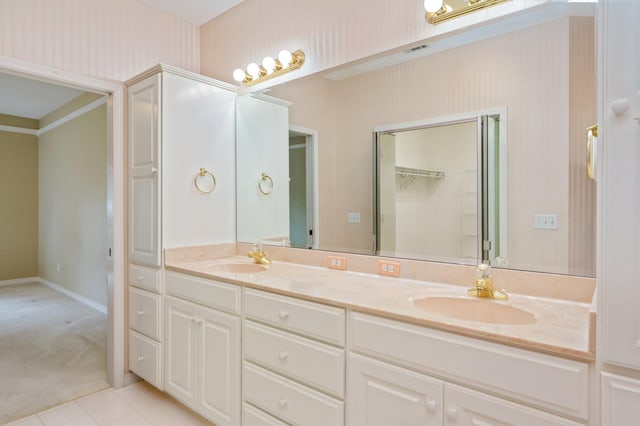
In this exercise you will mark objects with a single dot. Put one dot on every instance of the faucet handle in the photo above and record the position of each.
(484, 270)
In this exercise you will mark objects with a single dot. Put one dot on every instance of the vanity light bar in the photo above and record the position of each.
(270, 68)
(446, 12)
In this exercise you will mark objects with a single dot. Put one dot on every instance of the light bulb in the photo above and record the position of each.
(269, 64)
(432, 6)
(253, 69)
(285, 58)
(239, 75)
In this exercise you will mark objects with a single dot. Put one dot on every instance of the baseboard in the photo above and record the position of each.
(131, 378)
(20, 281)
(90, 303)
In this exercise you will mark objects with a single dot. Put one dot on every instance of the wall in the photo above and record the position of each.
(113, 39)
(330, 32)
(73, 207)
(18, 205)
(527, 72)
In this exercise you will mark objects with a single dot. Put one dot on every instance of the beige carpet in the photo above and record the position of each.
(52, 350)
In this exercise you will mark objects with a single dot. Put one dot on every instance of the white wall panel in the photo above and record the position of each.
(113, 39)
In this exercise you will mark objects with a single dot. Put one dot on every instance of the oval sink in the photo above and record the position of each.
(236, 268)
(477, 310)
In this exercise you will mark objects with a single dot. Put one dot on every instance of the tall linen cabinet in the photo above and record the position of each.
(181, 192)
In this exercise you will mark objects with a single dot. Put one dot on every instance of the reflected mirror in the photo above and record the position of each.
(536, 69)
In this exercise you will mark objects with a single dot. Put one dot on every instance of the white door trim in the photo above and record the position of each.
(115, 183)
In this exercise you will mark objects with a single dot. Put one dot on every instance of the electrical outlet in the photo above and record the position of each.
(545, 221)
(391, 269)
(353, 217)
(337, 262)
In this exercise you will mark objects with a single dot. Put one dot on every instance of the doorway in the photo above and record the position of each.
(114, 250)
(303, 190)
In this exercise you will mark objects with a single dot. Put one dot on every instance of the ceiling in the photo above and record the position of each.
(196, 11)
(24, 97)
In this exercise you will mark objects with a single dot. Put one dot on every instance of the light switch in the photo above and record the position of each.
(545, 221)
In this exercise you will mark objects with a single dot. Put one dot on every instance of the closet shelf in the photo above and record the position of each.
(409, 175)
(407, 172)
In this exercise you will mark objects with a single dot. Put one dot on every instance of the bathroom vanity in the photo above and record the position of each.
(298, 344)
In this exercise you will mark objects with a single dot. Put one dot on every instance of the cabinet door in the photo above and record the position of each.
(219, 366)
(619, 185)
(379, 394)
(620, 400)
(144, 164)
(464, 407)
(181, 353)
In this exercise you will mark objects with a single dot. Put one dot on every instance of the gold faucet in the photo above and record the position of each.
(258, 255)
(484, 285)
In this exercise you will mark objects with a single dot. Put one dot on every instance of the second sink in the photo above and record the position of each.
(476, 310)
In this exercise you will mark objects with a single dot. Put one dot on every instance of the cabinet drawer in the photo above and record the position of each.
(146, 278)
(316, 364)
(144, 313)
(214, 294)
(288, 400)
(251, 416)
(467, 407)
(312, 319)
(145, 358)
(547, 381)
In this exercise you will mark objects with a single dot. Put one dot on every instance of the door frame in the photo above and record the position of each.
(311, 137)
(115, 198)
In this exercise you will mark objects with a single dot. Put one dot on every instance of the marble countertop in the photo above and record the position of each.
(561, 327)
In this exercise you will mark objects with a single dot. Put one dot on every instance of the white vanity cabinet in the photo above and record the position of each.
(405, 374)
(294, 360)
(145, 324)
(202, 361)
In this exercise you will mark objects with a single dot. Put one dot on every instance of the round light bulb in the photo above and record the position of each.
(253, 69)
(239, 75)
(285, 58)
(269, 64)
(432, 6)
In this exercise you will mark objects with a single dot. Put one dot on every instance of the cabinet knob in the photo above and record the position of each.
(140, 313)
(282, 403)
(140, 278)
(199, 321)
(140, 358)
(451, 413)
(154, 170)
(192, 319)
(283, 315)
(432, 405)
(283, 356)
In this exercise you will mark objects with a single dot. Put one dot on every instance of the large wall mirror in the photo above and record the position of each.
(532, 79)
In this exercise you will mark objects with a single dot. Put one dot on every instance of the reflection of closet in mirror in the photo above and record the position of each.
(427, 171)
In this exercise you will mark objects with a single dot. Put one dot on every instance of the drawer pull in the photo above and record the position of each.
(283, 356)
(140, 358)
(282, 404)
(140, 313)
(451, 413)
(140, 278)
(432, 405)
(283, 315)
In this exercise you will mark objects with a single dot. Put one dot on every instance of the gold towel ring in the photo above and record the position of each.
(265, 184)
(203, 173)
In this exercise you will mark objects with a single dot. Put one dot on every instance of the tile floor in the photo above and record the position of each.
(138, 404)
